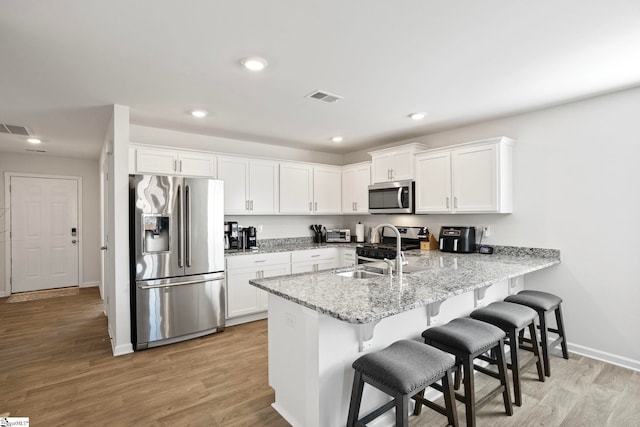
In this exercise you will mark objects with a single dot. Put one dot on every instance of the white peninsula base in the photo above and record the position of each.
(310, 354)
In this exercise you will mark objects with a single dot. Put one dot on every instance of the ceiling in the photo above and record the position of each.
(64, 63)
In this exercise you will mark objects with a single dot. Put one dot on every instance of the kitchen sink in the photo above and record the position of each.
(359, 274)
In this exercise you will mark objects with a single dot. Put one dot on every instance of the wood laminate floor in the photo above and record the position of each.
(57, 369)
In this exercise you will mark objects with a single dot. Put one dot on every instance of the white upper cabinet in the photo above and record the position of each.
(433, 183)
(308, 189)
(251, 185)
(327, 190)
(467, 178)
(157, 160)
(355, 188)
(296, 188)
(394, 164)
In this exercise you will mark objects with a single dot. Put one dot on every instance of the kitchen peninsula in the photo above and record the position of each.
(319, 323)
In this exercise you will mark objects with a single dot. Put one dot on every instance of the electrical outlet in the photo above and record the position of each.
(486, 231)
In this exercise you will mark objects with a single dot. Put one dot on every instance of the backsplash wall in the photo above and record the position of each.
(285, 226)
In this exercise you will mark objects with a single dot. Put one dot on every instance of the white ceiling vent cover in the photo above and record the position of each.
(324, 96)
(14, 130)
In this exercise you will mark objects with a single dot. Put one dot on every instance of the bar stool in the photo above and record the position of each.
(402, 370)
(543, 303)
(512, 318)
(468, 339)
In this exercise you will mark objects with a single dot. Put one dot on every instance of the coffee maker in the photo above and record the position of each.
(250, 237)
(231, 236)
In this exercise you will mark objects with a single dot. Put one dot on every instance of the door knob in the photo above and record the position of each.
(103, 248)
(74, 241)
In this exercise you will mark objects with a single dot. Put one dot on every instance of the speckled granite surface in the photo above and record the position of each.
(287, 245)
(444, 275)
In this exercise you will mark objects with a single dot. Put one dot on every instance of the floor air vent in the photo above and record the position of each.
(14, 130)
(324, 96)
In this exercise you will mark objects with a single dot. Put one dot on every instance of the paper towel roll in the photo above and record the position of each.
(359, 232)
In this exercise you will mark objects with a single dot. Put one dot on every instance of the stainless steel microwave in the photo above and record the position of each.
(392, 197)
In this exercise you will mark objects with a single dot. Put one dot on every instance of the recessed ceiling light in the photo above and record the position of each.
(337, 139)
(254, 63)
(199, 113)
(34, 140)
(418, 116)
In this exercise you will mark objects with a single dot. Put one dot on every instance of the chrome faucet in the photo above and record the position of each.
(399, 255)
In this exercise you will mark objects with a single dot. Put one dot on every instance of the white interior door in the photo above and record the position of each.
(44, 233)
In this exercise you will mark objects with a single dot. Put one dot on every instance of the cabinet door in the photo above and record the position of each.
(433, 183)
(270, 271)
(348, 257)
(197, 164)
(156, 160)
(402, 165)
(263, 187)
(303, 267)
(381, 166)
(242, 298)
(475, 187)
(234, 171)
(296, 188)
(327, 190)
(355, 189)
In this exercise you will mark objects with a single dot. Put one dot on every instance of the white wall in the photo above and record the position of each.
(90, 227)
(171, 138)
(577, 172)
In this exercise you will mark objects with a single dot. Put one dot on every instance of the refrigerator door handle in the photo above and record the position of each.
(187, 236)
(180, 227)
(169, 285)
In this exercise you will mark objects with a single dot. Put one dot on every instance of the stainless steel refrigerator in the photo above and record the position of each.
(177, 258)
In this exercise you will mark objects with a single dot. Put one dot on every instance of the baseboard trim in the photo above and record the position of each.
(245, 319)
(120, 349)
(89, 284)
(603, 356)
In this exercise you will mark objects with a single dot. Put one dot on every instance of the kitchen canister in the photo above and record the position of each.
(359, 232)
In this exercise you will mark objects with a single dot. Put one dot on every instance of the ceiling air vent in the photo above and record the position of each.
(324, 96)
(14, 130)
(32, 150)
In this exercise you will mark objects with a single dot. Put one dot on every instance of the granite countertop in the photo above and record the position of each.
(287, 245)
(442, 276)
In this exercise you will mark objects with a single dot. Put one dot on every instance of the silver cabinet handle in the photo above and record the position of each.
(260, 260)
(180, 165)
(316, 206)
(315, 256)
(250, 204)
(246, 205)
(175, 166)
(310, 206)
(447, 203)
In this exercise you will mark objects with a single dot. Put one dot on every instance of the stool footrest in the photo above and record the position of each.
(375, 414)
(430, 404)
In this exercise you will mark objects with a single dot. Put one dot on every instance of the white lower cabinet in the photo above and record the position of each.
(314, 260)
(245, 299)
(348, 257)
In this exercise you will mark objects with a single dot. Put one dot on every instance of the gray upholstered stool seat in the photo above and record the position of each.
(402, 370)
(468, 339)
(512, 318)
(543, 303)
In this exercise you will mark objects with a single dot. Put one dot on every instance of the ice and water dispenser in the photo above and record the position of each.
(156, 233)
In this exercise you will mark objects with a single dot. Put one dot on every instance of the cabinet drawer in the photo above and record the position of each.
(314, 254)
(242, 261)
